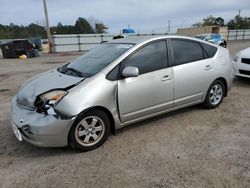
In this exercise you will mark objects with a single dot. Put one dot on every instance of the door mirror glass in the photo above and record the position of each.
(130, 72)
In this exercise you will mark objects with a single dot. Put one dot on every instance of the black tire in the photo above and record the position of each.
(28, 54)
(208, 102)
(77, 142)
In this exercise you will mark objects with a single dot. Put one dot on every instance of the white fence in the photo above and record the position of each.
(240, 34)
(82, 42)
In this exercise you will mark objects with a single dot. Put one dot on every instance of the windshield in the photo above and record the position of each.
(95, 60)
(202, 37)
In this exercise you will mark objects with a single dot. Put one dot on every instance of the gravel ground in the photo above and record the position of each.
(193, 147)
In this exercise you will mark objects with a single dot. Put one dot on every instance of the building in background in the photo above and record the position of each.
(191, 32)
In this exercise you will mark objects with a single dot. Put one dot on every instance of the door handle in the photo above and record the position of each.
(208, 67)
(166, 77)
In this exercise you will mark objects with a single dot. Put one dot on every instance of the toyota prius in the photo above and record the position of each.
(119, 83)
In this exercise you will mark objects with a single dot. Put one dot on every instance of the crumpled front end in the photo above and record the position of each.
(40, 129)
(33, 117)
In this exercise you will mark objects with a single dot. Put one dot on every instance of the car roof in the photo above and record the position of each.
(140, 39)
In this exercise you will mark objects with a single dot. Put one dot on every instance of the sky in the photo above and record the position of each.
(144, 16)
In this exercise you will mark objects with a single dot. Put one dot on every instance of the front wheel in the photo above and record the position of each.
(89, 131)
(215, 94)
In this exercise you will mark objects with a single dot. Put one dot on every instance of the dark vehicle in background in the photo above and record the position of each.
(37, 42)
(15, 48)
(213, 38)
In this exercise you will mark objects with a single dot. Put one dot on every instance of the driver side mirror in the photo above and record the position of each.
(130, 72)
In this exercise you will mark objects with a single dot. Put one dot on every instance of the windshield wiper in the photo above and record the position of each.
(75, 71)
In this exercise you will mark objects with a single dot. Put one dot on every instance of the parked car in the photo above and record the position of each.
(241, 63)
(15, 48)
(120, 36)
(119, 83)
(213, 38)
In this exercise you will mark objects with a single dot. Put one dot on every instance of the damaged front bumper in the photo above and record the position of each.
(39, 129)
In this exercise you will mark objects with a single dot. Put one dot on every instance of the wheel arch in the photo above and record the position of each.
(106, 111)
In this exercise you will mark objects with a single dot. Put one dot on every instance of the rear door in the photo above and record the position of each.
(152, 91)
(193, 71)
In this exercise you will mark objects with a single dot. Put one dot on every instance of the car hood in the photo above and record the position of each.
(245, 53)
(42, 83)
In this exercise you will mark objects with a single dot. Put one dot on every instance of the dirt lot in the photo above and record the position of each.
(193, 147)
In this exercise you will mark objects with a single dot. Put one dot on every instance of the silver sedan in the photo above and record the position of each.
(119, 83)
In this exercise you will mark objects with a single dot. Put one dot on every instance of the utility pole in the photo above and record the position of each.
(168, 26)
(47, 25)
(237, 21)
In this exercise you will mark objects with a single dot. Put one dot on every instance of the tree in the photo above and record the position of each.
(209, 21)
(100, 28)
(239, 23)
(219, 21)
(231, 24)
(82, 26)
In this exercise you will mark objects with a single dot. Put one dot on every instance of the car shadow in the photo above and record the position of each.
(241, 81)
(167, 115)
(12, 147)
(23, 148)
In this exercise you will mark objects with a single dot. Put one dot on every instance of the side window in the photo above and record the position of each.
(209, 49)
(150, 58)
(185, 51)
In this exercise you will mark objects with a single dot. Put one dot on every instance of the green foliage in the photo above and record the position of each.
(237, 23)
(100, 28)
(82, 26)
(219, 21)
(211, 20)
(13, 31)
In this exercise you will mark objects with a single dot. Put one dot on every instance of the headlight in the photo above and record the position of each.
(236, 57)
(53, 96)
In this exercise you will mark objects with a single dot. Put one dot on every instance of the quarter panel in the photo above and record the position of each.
(93, 92)
(224, 67)
(192, 81)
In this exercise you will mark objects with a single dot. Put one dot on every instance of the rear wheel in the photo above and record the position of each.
(215, 94)
(89, 131)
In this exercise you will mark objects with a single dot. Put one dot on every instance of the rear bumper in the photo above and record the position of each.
(39, 129)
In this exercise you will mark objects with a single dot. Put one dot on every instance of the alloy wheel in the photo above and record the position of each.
(216, 94)
(89, 131)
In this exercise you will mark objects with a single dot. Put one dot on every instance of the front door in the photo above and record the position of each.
(152, 91)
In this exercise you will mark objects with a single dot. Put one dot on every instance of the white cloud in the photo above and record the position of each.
(146, 15)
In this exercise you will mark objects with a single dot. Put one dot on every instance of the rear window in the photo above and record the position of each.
(210, 50)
